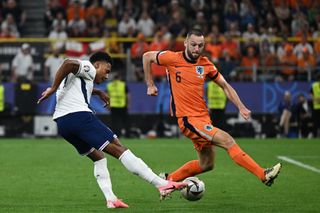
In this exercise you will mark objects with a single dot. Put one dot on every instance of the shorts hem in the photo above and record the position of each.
(104, 145)
(88, 152)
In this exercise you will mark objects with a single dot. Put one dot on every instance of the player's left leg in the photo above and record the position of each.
(224, 140)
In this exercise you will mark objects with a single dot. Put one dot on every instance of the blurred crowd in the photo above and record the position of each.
(12, 19)
(252, 35)
(248, 40)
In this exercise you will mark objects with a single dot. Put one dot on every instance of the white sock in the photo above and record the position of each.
(138, 167)
(103, 178)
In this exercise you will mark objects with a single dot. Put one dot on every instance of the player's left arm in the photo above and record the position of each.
(103, 96)
(233, 96)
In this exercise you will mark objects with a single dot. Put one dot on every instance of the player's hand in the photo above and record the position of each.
(105, 98)
(152, 90)
(46, 94)
(245, 113)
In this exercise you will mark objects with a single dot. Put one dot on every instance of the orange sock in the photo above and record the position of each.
(244, 160)
(190, 168)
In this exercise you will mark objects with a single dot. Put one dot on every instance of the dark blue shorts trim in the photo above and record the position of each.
(190, 127)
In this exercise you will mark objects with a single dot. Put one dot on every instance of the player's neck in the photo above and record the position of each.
(187, 58)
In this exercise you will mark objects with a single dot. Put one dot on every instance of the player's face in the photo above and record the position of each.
(103, 70)
(194, 46)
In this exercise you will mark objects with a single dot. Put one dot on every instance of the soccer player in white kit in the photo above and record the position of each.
(78, 125)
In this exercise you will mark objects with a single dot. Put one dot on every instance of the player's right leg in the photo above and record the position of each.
(224, 140)
(206, 157)
(205, 163)
(200, 131)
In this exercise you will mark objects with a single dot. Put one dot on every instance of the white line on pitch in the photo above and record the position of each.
(306, 157)
(298, 163)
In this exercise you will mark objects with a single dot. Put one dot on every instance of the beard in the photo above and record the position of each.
(191, 56)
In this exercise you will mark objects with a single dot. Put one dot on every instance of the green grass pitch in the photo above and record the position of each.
(47, 175)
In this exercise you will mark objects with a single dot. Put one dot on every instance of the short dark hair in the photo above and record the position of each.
(196, 32)
(100, 56)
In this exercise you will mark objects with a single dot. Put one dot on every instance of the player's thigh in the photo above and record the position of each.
(223, 139)
(95, 133)
(66, 126)
(82, 147)
(198, 129)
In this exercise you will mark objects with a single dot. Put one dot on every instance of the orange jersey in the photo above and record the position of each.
(187, 80)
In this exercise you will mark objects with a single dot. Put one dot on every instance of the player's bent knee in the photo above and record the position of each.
(115, 149)
(95, 155)
(223, 139)
(208, 168)
(229, 142)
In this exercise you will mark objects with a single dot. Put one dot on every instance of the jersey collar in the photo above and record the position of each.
(188, 60)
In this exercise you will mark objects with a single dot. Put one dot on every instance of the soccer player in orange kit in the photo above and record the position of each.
(187, 72)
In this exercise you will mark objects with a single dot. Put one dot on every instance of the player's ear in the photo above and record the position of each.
(185, 43)
(96, 64)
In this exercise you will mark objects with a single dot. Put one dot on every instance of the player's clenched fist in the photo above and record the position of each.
(152, 90)
(246, 113)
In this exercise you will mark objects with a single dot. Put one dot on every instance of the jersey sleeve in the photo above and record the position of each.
(166, 58)
(86, 70)
(214, 74)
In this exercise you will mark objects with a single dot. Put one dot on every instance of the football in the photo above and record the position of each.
(194, 190)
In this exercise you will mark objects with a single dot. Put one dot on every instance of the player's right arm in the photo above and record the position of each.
(68, 66)
(148, 58)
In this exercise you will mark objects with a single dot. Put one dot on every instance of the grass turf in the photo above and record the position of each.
(47, 175)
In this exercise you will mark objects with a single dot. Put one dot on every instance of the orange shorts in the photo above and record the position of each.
(199, 129)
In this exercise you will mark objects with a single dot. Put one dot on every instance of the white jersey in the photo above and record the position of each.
(74, 92)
